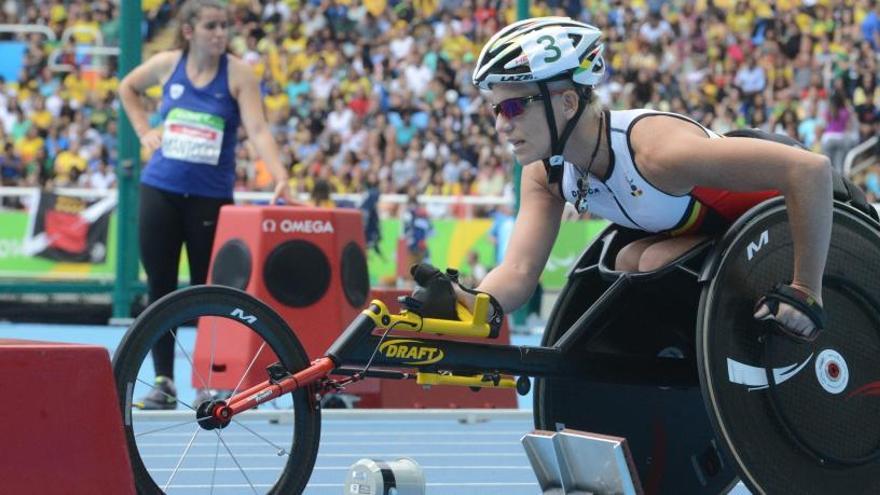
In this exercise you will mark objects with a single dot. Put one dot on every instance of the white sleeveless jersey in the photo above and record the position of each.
(626, 197)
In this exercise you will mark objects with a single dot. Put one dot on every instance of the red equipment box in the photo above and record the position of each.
(61, 427)
(307, 263)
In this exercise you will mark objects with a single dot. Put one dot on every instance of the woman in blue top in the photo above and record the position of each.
(206, 95)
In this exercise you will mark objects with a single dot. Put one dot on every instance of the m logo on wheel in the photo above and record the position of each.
(753, 247)
(238, 313)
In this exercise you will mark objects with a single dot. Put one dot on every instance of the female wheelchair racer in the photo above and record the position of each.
(653, 171)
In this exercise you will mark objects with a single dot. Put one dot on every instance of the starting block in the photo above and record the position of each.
(572, 462)
(60, 424)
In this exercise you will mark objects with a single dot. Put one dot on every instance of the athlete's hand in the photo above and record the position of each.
(435, 291)
(790, 318)
(282, 191)
(464, 298)
(152, 140)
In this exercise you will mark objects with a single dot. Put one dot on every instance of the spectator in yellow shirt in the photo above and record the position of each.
(300, 181)
(105, 84)
(75, 86)
(68, 164)
(294, 42)
(321, 194)
(741, 19)
(277, 104)
(57, 13)
(28, 146)
(303, 60)
(375, 7)
(40, 117)
(352, 83)
(86, 29)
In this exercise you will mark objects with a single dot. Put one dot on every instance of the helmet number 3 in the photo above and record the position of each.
(550, 47)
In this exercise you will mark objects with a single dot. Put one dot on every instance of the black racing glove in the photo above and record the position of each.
(800, 301)
(435, 296)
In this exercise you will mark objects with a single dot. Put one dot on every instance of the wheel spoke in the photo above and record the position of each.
(248, 370)
(189, 360)
(220, 437)
(214, 470)
(213, 349)
(182, 457)
(280, 451)
(165, 428)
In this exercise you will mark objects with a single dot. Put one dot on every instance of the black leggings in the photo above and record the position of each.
(167, 221)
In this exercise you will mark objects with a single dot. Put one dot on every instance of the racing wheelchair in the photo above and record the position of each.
(670, 359)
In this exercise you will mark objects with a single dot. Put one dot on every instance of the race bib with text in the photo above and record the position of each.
(193, 136)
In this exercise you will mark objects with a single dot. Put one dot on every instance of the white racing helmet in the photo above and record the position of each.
(542, 49)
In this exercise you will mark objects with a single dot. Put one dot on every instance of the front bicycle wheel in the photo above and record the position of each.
(234, 338)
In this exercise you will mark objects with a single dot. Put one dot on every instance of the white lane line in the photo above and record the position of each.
(361, 454)
(336, 468)
(338, 485)
(364, 444)
(347, 434)
(392, 416)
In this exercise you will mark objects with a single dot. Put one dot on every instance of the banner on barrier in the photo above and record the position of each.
(69, 229)
(452, 241)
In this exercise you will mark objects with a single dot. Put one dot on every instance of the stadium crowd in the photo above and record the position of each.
(378, 92)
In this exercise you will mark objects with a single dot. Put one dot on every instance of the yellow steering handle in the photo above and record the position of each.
(468, 324)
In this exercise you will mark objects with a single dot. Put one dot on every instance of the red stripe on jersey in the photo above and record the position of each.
(730, 205)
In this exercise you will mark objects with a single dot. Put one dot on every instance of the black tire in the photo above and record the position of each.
(187, 305)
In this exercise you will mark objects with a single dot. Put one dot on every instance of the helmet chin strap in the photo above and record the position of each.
(553, 165)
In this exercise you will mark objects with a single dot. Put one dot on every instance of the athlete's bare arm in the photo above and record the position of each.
(534, 232)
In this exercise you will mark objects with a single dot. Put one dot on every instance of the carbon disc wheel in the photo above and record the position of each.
(796, 417)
